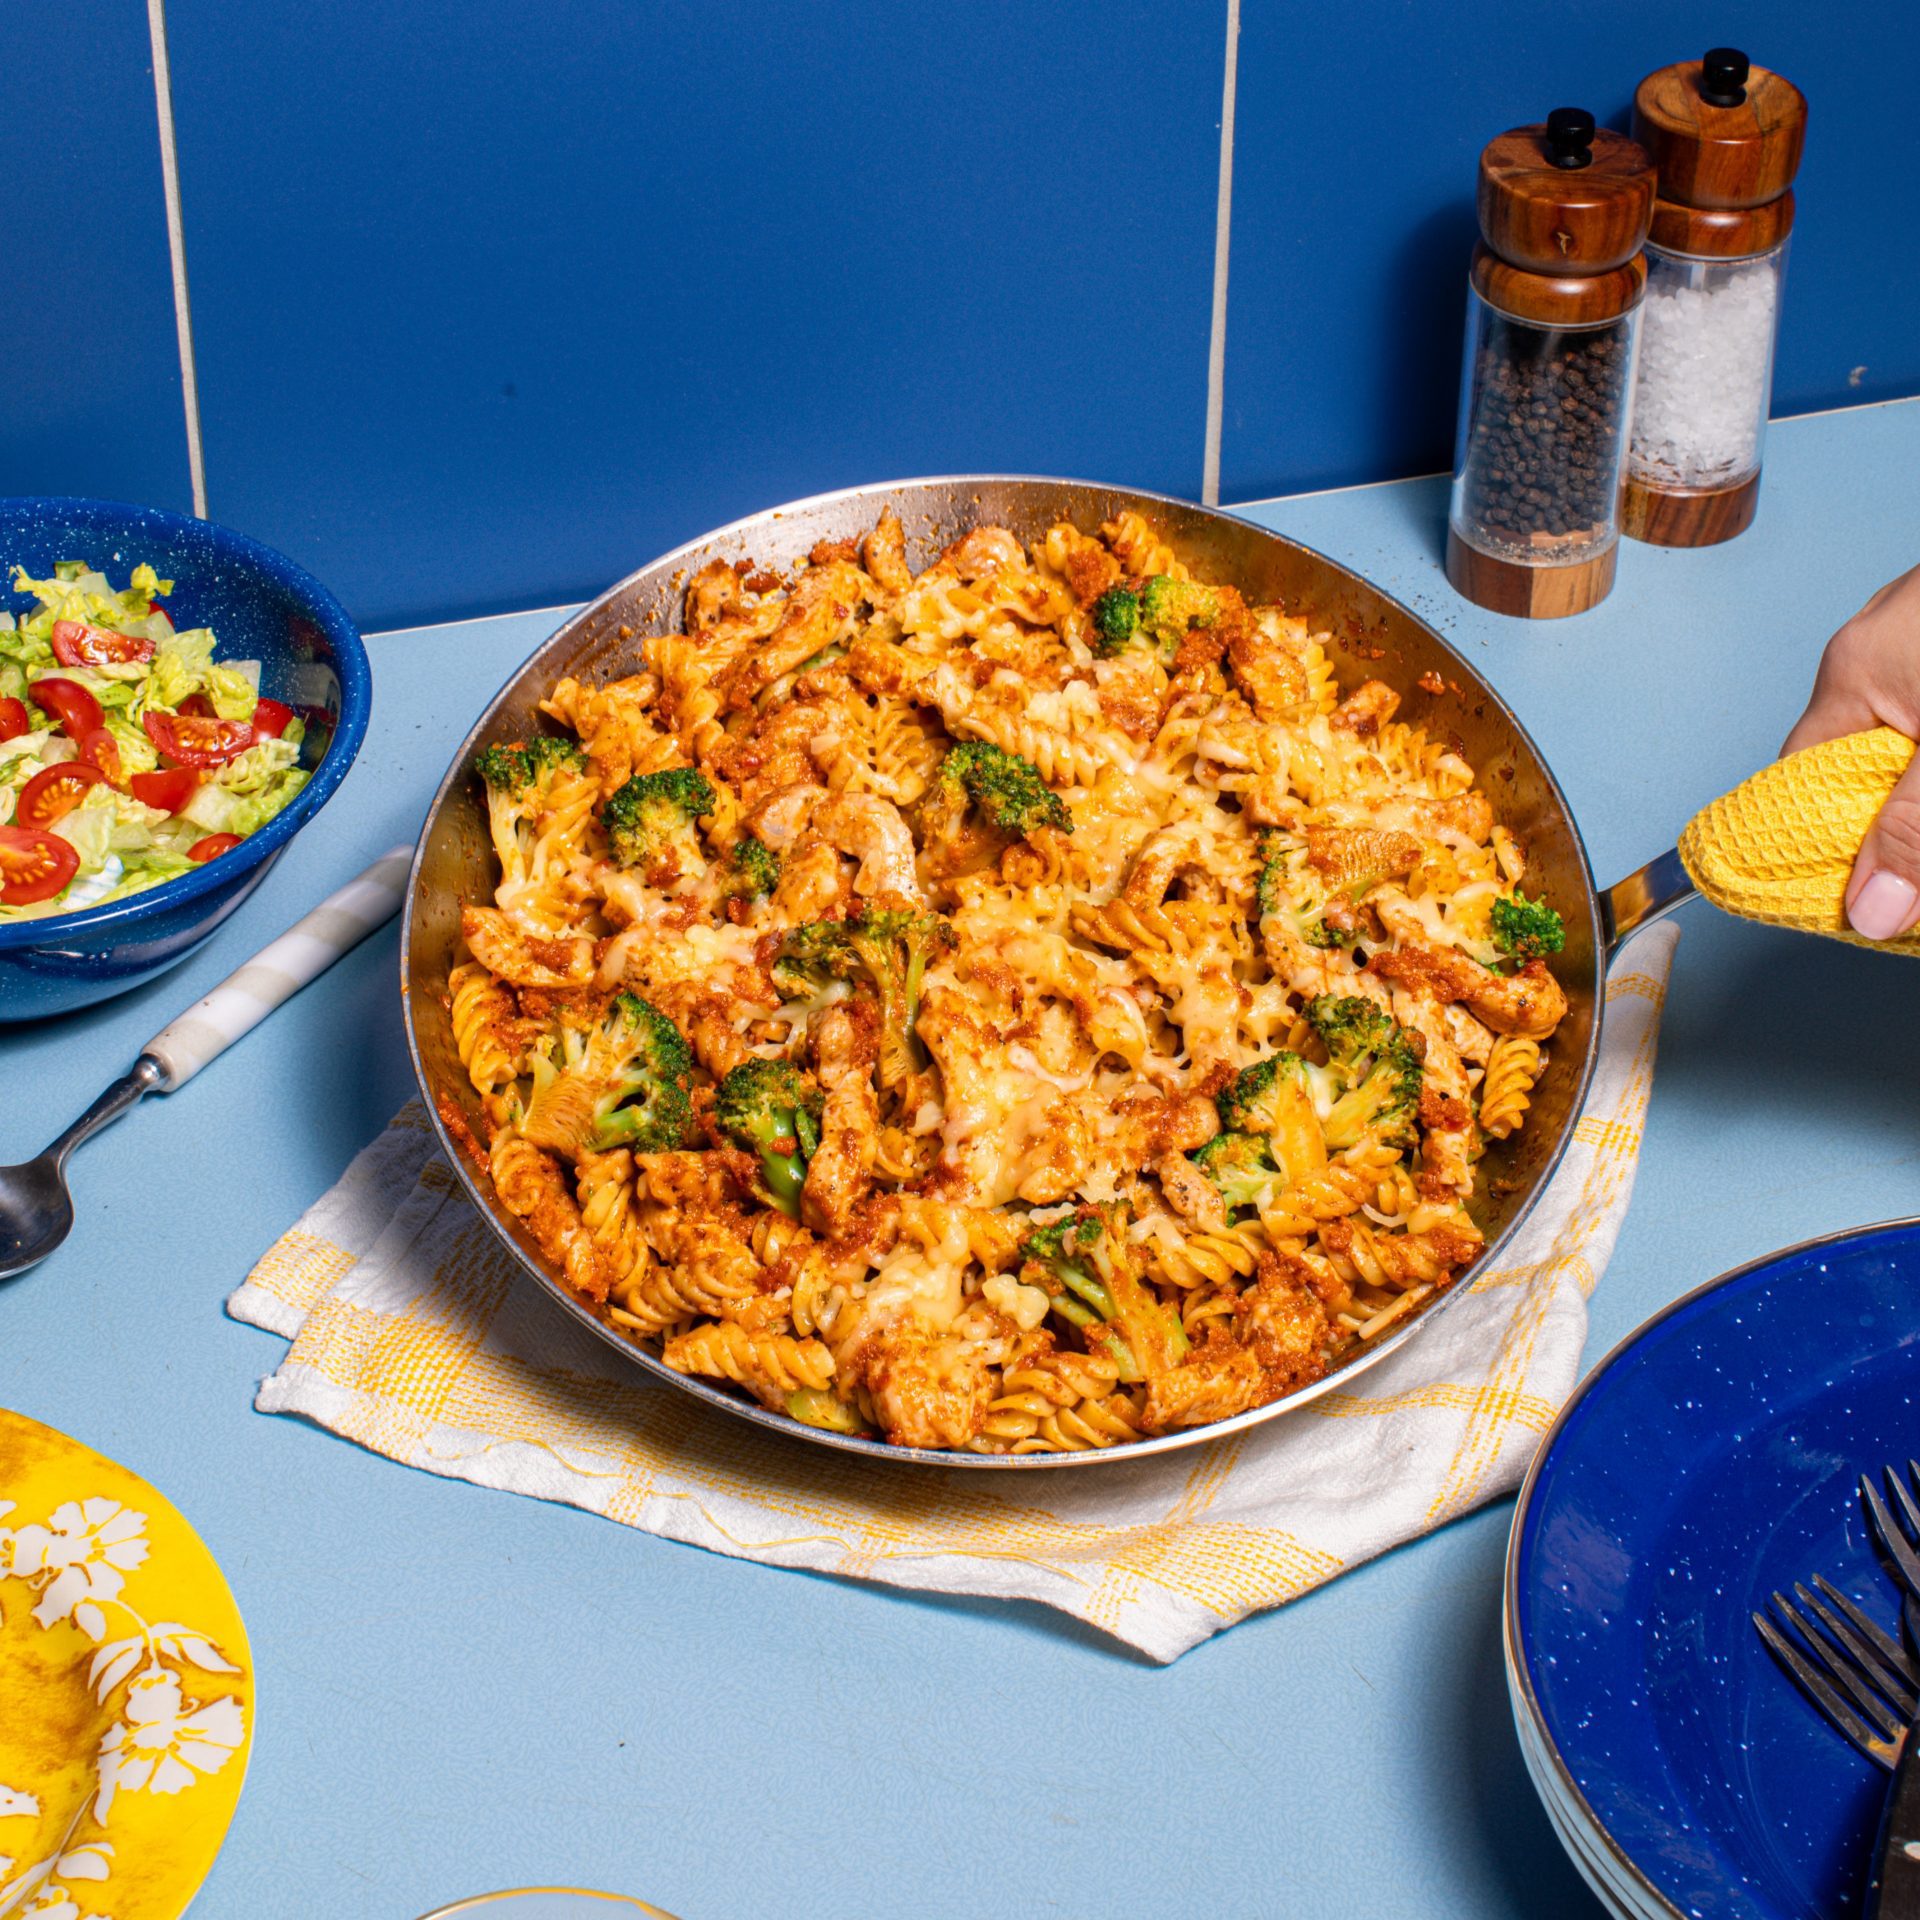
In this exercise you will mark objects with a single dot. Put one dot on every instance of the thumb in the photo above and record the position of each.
(1883, 897)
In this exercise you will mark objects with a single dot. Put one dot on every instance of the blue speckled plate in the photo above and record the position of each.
(1710, 1459)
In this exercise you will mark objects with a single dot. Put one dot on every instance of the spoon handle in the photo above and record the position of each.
(278, 971)
(144, 1077)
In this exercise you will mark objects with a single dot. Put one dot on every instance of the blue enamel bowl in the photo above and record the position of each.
(260, 607)
(1711, 1460)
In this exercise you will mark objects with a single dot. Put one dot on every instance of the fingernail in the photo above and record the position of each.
(1884, 906)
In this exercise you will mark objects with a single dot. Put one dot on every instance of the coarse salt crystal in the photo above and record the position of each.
(1706, 354)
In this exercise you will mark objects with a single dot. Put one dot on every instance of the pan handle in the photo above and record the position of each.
(1651, 894)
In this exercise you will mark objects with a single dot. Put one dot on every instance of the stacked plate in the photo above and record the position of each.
(1711, 1459)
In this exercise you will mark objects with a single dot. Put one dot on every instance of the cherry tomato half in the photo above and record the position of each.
(13, 719)
(100, 749)
(269, 716)
(198, 707)
(213, 846)
(191, 740)
(74, 709)
(55, 791)
(168, 788)
(75, 645)
(34, 866)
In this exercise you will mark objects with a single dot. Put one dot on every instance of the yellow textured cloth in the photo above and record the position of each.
(1781, 846)
(414, 1333)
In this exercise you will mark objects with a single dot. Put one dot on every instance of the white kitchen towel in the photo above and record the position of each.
(415, 1333)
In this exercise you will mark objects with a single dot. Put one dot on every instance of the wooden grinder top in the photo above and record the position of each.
(1726, 136)
(1563, 207)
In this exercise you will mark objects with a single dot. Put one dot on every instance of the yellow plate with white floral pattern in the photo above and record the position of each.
(126, 1689)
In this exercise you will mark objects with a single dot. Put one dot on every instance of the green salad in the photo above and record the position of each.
(128, 754)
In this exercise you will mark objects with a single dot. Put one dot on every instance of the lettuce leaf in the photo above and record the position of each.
(179, 667)
(256, 810)
(233, 691)
(77, 592)
(218, 808)
(262, 763)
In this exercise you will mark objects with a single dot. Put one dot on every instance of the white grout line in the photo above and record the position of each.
(1846, 406)
(1321, 493)
(177, 250)
(568, 607)
(1222, 236)
(1774, 424)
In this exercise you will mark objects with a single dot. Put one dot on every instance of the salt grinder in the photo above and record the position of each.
(1726, 137)
(1552, 313)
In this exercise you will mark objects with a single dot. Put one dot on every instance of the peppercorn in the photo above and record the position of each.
(1545, 415)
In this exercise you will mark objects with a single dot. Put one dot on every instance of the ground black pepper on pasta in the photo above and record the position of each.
(1546, 415)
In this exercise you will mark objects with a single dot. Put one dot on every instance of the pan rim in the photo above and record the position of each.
(1180, 1439)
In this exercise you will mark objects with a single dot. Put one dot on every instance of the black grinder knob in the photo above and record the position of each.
(1723, 77)
(1570, 137)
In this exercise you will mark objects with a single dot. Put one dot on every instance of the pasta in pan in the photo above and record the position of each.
(1023, 1005)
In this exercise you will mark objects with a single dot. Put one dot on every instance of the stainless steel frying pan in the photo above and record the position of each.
(1375, 637)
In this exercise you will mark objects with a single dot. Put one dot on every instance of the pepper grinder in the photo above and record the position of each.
(1552, 314)
(1726, 137)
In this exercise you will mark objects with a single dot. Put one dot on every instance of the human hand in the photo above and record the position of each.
(1870, 677)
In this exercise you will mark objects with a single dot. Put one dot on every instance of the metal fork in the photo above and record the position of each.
(1896, 1523)
(1852, 1661)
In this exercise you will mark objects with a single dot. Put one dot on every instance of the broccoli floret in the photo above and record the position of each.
(650, 821)
(811, 957)
(1527, 929)
(519, 779)
(1377, 1071)
(890, 949)
(1156, 613)
(1006, 789)
(1059, 1260)
(772, 1108)
(650, 1110)
(521, 764)
(894, 947)
(1064, 1249)
(1271, 849)
(1084, 1267)
(1170, 609)
(1255, 1100)
(622, 1084)
(1350, 1027)
(756, 867)
(1307, 919)
(1241, 1165)
(1116, 620)
(1270, 894)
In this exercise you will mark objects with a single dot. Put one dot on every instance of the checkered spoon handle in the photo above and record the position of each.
(278, 971)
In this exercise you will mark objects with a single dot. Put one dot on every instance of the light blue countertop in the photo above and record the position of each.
(461, 1690)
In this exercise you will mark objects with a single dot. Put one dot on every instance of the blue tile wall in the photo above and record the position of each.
(1358, 132)
(92, 372)
(494, 302)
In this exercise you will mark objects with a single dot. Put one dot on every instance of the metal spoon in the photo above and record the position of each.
(36, 1210)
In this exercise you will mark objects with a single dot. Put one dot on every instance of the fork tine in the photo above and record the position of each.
(1899, 1695)
(1883, 1643)
(1822, 1695)
(1906, 1564)
(1904, 1501)
(1875, 1710)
